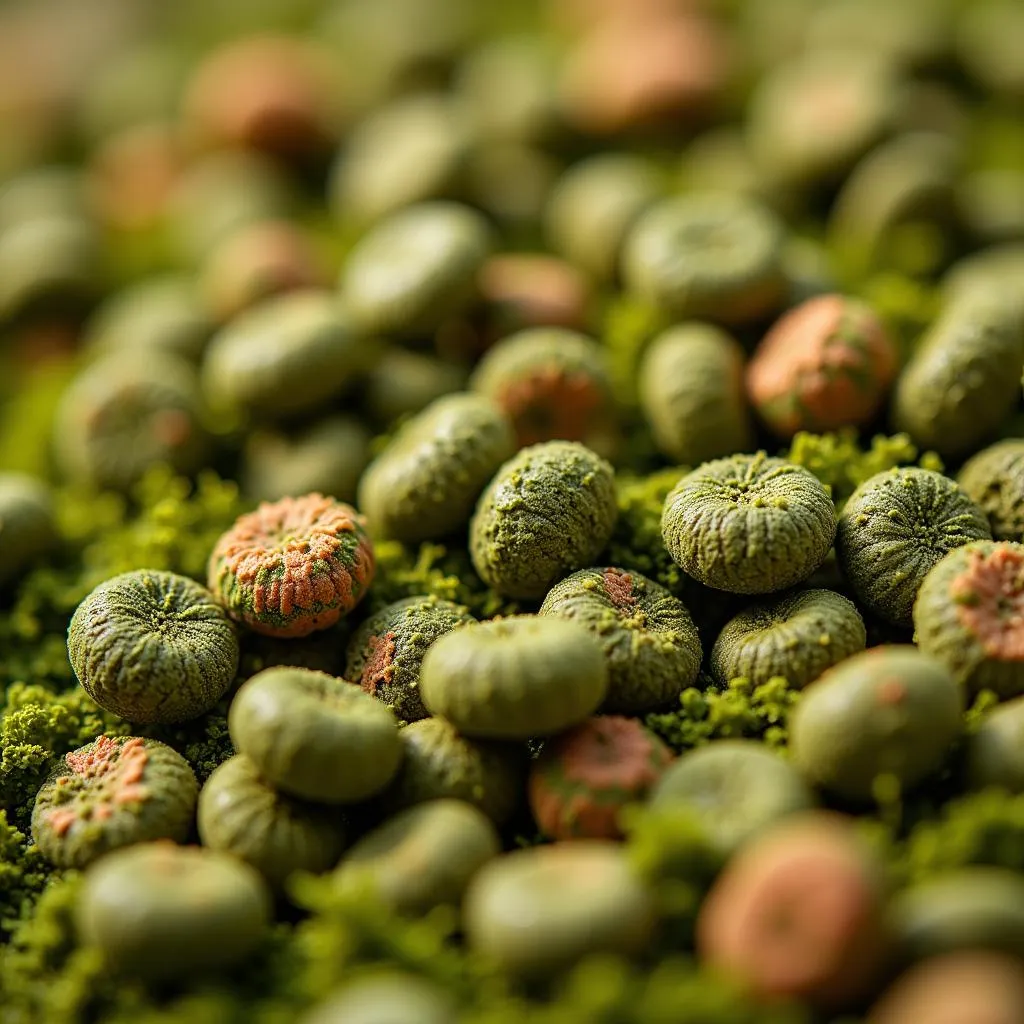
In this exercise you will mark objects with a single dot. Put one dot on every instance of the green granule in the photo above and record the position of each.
(603, 990)
(170, 524)
(174, 528)
(983, 828)
(46, 976)
(24, 874)
(406, 570)
(37, 726)
(739, 711)
(636, 541)
(841, 463)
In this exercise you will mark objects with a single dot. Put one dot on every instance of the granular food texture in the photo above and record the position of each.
(649, 641)
(386, 651)
(293, 566)
(158, 911)
(153, 647)
(113, 792)
(553, 384)
(796, 636)
(750, 524)
(828, 363)
(691, 392)
(515, 678)
(239, 813)
(548, 511)
(994, 480)
(969, 614)
(587, 775)
(894, 528)
(424, 484)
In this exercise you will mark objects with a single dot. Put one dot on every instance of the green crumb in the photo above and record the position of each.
(842, 464)
(740, 710)
(982, 828)
(24, 874)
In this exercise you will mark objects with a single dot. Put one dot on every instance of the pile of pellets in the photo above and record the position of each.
(542, 350)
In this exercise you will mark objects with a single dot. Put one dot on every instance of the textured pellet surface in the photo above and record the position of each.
(750, 524)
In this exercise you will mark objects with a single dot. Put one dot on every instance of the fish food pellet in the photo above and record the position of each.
(735, 788)
(798, 913)
(315, 736)
(649, 640)
(750, 524)
(692, 395)
(438, 762)
(293, 566)
(48, 262)
(515, 678)
(970, 985)
(385, 653)
(974, 907)
(416, 268)
(157, 911)
(162, 313)
(240, 813)
(714, 256)
(895, 527)
(887, 211)
(994, 480)
(221, 192)
(28, 529)
(113, 792)
(153, 647)
(812, 117)
(538, 911)
(256, 262)
(523, 290)
(963, 378)
(548, 511)
(824, 365)
(553, 384)
(410, 150)
(424, 857)
(387, 996)
(635, 73)
(327, 455)
(593, 205)
(969, 614)
(584, 777)
(797, 636)
(889, 711)
(426, 482)
(126, 412)
(995, 752)
(288, 354)
(268, 92)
